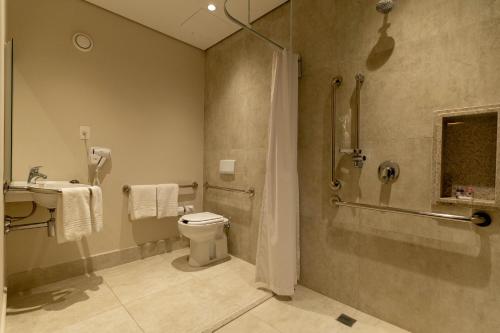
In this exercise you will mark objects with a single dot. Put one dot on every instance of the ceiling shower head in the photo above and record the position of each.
(384, 6)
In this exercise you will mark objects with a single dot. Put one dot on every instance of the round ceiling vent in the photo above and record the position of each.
(83, 42)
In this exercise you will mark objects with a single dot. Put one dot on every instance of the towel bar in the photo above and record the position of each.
(194, 186)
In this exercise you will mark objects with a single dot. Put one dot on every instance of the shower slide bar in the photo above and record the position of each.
(194, 186)
(250, 191)
(479, 218)
(246, 27)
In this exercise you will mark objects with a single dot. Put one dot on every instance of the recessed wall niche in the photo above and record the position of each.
(466, 157)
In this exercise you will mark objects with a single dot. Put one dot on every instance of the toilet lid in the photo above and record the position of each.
(202, 218)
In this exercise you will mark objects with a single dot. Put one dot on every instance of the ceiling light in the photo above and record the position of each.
(211, 7)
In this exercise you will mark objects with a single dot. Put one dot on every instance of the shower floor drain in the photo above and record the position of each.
(346, 320)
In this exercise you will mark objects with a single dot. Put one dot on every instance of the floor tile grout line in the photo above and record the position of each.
(123, 306)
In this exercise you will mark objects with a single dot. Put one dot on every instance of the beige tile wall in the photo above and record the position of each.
(421, 274)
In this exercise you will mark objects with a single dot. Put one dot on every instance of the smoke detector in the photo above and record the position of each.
(83, 42)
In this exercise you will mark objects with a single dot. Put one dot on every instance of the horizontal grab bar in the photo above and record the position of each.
(250, 191)
(9, 228)
(50, 224)
(480, 218)
(194, 186)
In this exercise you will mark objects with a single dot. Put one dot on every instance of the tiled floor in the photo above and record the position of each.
(158, 294)
(163, 294)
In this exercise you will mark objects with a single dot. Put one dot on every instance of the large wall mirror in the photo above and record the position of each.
(9, 80)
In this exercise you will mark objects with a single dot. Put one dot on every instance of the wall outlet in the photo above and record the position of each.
(84, 132)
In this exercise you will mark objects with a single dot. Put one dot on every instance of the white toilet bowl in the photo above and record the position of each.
(207, 239)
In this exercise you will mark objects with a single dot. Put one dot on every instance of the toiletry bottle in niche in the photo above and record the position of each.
(470, 192)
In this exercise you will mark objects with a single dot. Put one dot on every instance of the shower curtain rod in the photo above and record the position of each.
(246, 27)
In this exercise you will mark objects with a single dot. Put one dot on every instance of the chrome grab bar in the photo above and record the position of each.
(479, 218)
(250, 191)
(193, 185)
(335, 184)
(50, 224)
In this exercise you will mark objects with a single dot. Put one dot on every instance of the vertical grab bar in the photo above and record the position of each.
(335, 184)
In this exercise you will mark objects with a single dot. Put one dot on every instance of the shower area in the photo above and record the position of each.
(383, 231)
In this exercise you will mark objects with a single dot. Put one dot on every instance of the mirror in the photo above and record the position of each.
(9, 80)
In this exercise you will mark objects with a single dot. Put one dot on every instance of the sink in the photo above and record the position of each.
(45, 192)
(18, 192)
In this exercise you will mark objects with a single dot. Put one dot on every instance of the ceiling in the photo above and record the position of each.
(189, 20)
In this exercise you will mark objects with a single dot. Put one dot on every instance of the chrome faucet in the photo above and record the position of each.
(35, 174)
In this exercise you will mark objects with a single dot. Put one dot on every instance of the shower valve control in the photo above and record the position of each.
(388, 172)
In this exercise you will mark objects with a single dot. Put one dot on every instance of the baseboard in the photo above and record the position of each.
(40, 276)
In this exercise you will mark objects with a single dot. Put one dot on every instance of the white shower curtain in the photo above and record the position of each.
(277, 266)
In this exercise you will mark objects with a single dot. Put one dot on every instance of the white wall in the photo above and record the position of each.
(142, 94)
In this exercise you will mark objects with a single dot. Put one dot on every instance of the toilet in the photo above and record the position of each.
(207, 239)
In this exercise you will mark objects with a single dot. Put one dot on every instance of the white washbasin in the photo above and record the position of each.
(18, 192)
(45, 192)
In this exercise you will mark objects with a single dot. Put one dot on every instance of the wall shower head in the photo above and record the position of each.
(384, 6)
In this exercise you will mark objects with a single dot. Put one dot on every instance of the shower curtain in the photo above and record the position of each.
(277, 266)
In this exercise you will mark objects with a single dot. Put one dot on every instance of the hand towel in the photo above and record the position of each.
(167, 200)
(142, 202)
(96, 208)
(73, 220)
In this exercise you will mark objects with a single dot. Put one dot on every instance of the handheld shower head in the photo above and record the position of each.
(384, 6)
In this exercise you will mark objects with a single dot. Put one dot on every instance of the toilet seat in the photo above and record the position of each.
(202, 219)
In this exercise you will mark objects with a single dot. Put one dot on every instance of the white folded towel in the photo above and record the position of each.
(142, 201)
(167, 200)
(73, 220)
(96, 208)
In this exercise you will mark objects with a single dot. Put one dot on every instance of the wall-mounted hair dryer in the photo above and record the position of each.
(98, 157)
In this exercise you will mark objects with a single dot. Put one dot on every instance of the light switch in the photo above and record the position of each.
(226, 167)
